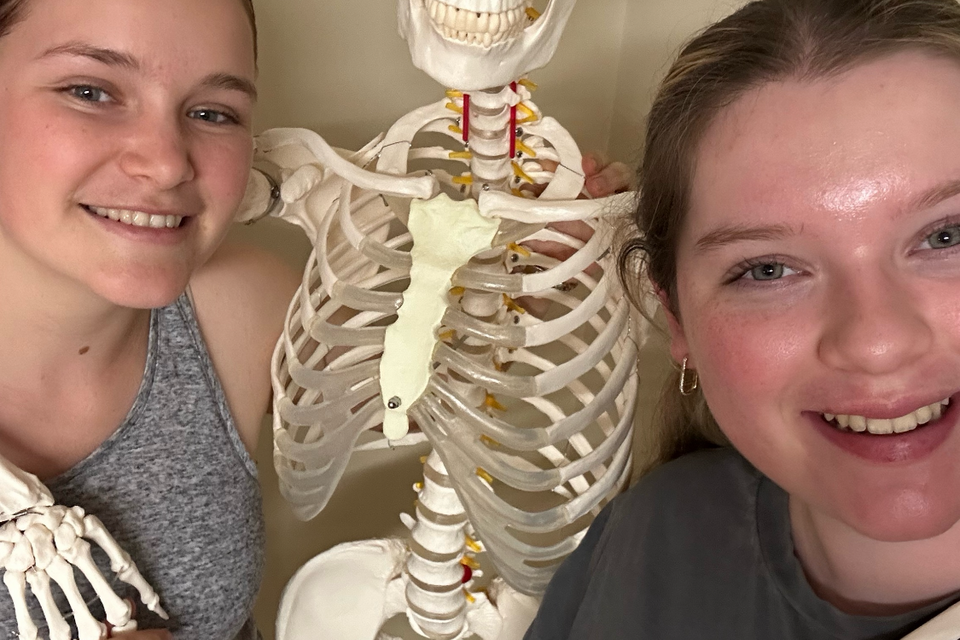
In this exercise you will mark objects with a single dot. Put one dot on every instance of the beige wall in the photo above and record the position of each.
(653, 34)
(339, 67)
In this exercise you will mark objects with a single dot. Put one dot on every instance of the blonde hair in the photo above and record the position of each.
(765, 41)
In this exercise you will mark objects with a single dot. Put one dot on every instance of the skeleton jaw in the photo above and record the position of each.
(478, 22)
(459, 56)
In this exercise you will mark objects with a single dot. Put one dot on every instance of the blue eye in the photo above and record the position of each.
(944, 238)
(213, 116)
(766, 271)
(88, 93)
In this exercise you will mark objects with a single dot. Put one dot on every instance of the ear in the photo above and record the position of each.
(679, 349)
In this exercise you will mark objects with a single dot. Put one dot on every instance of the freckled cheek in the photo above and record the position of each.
(743, 356)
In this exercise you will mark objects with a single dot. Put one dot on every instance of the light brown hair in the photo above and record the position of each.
(765, 41)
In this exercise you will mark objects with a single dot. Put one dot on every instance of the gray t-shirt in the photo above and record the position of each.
(700, 548)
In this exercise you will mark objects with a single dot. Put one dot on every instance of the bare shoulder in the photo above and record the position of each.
(241, 295)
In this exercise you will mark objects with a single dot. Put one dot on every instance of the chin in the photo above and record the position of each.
(142, 292)
(908, 517)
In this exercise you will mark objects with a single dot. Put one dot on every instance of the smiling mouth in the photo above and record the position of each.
(136, 218)
(903, 424)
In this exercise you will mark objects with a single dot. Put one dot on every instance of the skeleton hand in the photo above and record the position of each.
(40, 541)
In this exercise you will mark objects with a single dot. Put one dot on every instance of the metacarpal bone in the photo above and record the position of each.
(40, 585)
(88, 627)
(118, 611)
(17, 586)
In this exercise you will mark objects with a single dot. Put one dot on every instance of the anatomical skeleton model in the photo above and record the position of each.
(426, 301)
(39, 541)
(419, 307)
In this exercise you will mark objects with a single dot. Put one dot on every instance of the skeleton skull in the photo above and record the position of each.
(472, 45)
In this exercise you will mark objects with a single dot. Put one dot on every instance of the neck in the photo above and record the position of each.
(863, 576)
(52, 326)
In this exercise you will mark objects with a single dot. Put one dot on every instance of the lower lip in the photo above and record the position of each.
(895, 447)
(163, 235)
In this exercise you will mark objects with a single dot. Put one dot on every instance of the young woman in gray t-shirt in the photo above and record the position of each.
(800, 224)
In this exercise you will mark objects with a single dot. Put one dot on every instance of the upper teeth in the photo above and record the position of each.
(138, 218)
(923, 415)
(483, 28)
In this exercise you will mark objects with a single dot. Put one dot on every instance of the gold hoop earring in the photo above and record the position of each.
(689, 380)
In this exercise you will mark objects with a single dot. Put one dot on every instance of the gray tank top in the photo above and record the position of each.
(176, 488)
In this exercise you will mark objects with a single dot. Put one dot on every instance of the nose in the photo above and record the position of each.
(156, 149)
(874, 326)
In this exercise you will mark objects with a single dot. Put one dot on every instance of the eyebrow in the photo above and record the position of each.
(106, 56)
(230, 82)
(739, 233)
(114, 58)
(936, 195)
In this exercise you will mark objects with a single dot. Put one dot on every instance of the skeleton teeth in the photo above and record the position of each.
(475, 26)
(138, 218)
(903, 424)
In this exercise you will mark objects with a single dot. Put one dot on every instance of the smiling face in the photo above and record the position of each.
(819, 273)
(137, 110)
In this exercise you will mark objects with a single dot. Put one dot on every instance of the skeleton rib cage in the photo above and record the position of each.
(535, 414)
